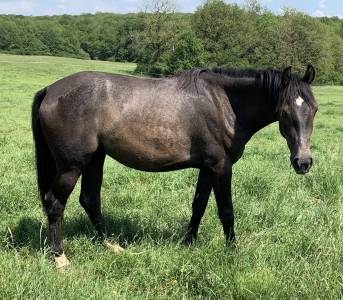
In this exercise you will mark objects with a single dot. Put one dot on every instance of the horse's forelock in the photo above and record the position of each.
(296, 88)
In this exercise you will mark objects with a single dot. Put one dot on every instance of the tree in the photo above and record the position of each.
(227, 31)
(302, 40)
(188, 52)
(157, 38)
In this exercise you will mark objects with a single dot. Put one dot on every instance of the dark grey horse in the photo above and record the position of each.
(200, 119)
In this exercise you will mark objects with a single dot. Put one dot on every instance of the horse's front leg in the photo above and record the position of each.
(202, 193)
(222, 190)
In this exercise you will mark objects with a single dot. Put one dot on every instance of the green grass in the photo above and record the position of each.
(289, 228)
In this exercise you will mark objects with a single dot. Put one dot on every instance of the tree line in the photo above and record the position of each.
(164, 42)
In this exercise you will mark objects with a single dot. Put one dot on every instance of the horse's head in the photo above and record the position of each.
(296, 113)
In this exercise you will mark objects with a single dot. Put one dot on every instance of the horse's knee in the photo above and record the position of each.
(53, 206)
(84, 201)
(63, 184)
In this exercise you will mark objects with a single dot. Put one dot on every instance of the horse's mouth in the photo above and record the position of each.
(302, 171)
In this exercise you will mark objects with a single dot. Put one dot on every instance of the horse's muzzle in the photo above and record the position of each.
(302, 165)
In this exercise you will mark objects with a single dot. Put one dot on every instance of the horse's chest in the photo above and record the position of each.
(235, 148)
(235, 155)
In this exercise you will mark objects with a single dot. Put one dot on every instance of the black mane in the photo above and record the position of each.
(269, 80)
(241, 73)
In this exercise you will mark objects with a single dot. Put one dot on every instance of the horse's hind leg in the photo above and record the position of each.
(90, 191)
(90, 196)
(54, 204)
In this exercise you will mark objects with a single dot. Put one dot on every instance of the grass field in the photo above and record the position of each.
(289, 228)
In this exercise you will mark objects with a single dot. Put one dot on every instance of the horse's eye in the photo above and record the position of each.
(284, 114)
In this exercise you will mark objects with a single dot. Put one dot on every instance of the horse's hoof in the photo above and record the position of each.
(188, 240)
(61, 263)
(113, 247)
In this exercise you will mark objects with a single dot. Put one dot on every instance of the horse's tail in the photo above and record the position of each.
(45, 163)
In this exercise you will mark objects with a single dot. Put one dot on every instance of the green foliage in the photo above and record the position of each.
(109, 36)
(163, 42)
(185, 51)
(253, 37)
(188, 52)
(303, 40)
(227, 32)
(289, 227)
(156, 40)
(20, 37)
(60, 40)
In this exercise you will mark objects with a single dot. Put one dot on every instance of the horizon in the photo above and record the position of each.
(318, 8)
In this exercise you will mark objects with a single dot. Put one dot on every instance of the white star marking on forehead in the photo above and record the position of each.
(299, 101)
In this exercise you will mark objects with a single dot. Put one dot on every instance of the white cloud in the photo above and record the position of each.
(49, 12)
(321, 7)
(321, 4)
(16, 7)
(81, 6)
(61, 4)
(319, 13)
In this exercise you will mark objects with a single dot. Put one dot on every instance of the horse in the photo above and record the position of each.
(201, 119)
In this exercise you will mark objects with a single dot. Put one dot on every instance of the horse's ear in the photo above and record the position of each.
(286, 76)
(310, 74)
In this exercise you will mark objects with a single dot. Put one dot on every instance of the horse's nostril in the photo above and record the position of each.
(305, 165)
(296, 162)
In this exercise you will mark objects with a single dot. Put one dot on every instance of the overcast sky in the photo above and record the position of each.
(57, 7)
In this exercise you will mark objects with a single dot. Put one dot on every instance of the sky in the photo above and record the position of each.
(57, 7)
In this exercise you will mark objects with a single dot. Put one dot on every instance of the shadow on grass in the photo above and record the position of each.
(32, 234)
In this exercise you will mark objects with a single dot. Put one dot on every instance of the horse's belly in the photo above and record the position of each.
(146, 158)
(160, 149)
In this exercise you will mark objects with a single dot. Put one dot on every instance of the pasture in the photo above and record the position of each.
(289, 227)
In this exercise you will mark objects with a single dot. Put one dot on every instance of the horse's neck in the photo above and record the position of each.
(251, 106)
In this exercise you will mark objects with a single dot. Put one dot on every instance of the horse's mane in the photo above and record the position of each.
(266, 79)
